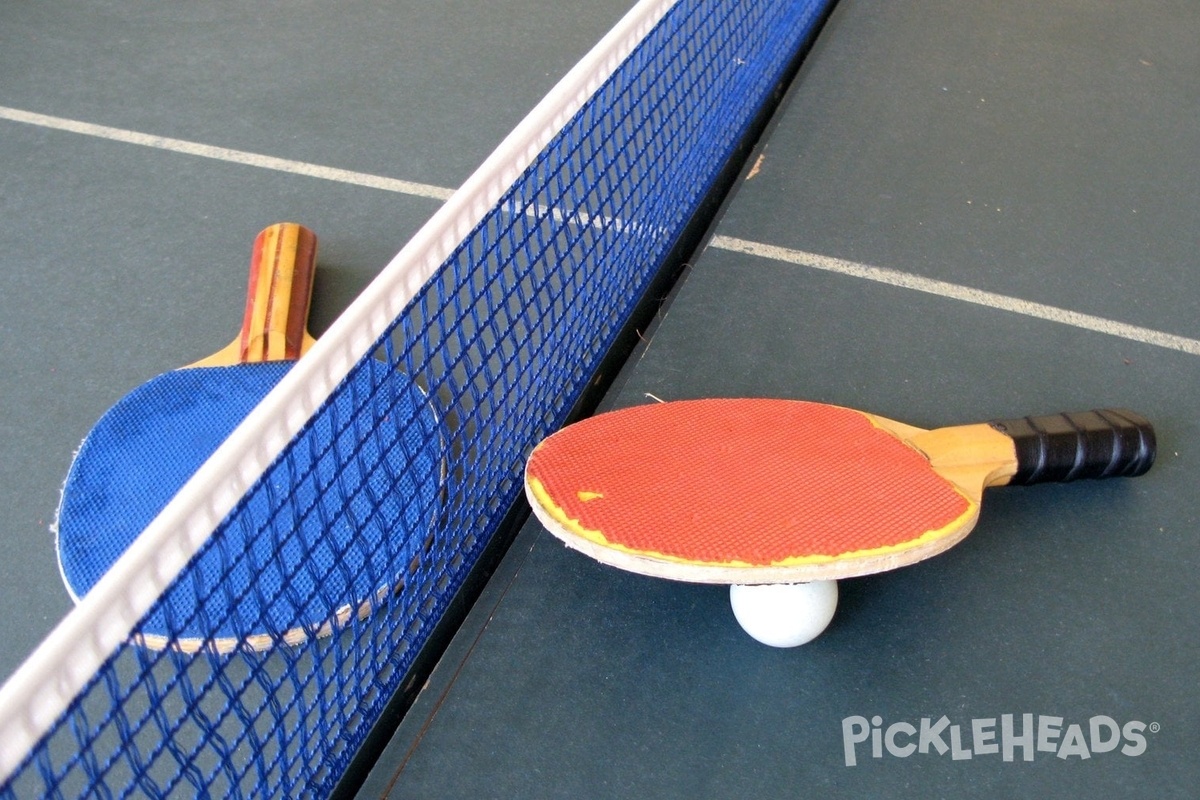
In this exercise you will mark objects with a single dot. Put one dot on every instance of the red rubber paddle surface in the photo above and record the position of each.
(748, 482)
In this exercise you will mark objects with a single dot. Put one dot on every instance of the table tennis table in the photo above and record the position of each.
(958, 212)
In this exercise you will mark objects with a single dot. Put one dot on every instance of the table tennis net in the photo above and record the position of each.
(499, 317)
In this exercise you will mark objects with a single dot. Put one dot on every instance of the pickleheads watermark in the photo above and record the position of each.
(1008, 737)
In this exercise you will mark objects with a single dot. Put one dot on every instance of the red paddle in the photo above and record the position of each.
(757, 491)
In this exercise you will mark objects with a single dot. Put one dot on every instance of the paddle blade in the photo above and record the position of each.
(141, 452)
(703, 489)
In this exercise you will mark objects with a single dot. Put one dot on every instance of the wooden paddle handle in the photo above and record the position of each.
(1105, 443)
(278, 295)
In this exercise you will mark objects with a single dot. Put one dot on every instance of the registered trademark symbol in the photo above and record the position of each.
(1155, 727)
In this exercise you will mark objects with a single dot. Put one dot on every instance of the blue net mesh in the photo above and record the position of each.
(499, 344)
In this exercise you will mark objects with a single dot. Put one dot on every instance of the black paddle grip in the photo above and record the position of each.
(1105, 443)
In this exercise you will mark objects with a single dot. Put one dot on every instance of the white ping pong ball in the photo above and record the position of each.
(785, 614)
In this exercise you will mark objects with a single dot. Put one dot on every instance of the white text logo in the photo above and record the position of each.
(1027, 735)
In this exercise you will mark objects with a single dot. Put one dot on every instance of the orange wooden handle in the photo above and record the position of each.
(274, 327)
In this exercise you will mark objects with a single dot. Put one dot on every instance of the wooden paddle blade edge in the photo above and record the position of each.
(1102, 443)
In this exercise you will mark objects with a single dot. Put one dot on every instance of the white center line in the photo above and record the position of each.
(226, 154)
(883, 275)
(964, 294)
